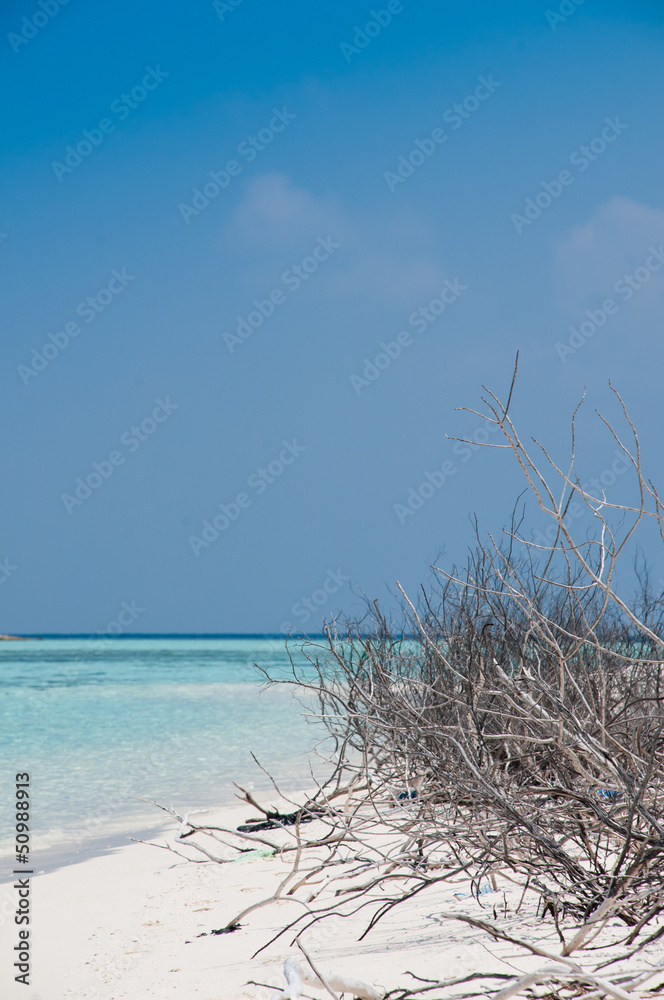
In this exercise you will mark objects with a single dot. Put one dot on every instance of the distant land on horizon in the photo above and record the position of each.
(160, 635)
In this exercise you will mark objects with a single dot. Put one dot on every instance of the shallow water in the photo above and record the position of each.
(102, 724)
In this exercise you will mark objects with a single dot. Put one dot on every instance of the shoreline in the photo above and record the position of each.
(65, 854)
(138, 922)
(135, 922)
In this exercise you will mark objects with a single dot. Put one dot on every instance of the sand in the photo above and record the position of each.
(127, 925)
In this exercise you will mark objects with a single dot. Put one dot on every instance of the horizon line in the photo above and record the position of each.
(158, 635)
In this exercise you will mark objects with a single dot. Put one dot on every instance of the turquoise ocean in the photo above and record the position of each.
(102, 725)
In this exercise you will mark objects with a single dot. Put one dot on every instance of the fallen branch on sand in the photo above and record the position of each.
(297, 978)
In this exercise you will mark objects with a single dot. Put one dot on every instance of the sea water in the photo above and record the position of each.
(101, 726)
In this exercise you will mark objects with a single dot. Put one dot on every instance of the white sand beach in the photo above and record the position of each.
(135, 923)
(127, 925)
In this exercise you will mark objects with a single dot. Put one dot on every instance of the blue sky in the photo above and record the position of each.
(363, 195)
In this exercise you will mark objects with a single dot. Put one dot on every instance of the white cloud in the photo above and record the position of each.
(395, 259)
(276, 215)
(614, 242)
